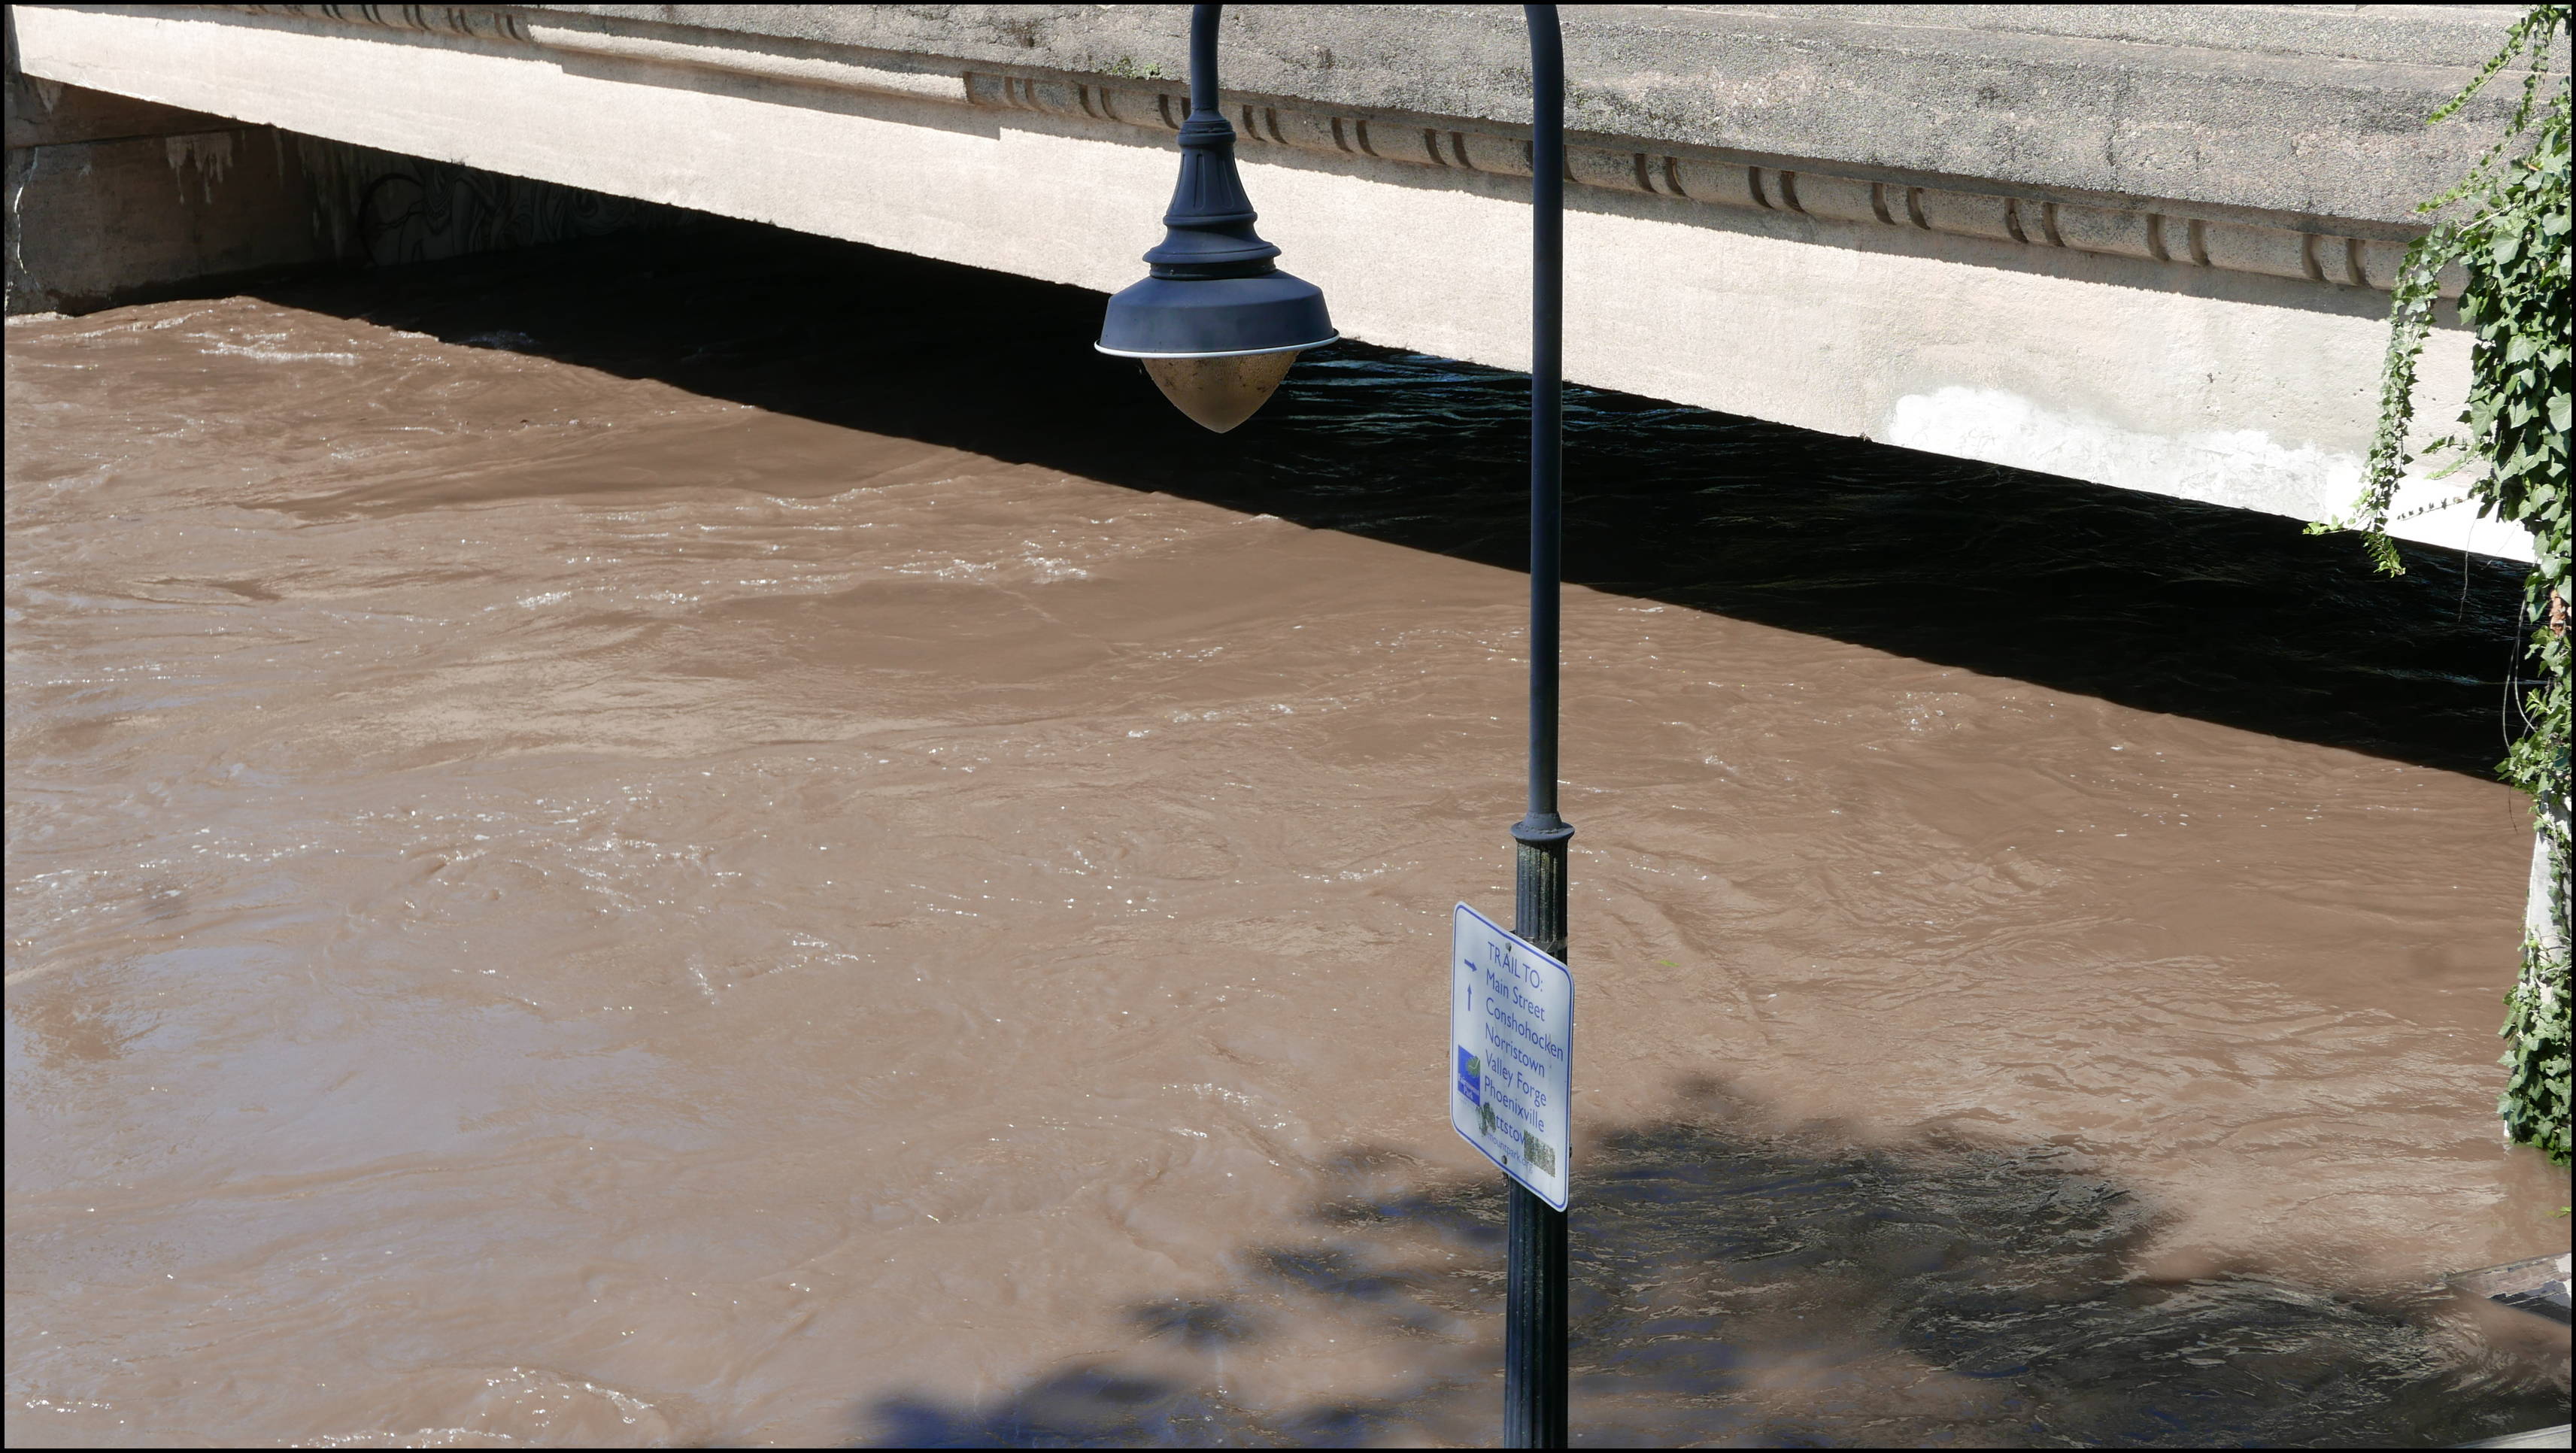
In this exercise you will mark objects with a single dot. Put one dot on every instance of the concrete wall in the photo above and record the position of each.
(116, 200)
(111, 198)
(2055, 313)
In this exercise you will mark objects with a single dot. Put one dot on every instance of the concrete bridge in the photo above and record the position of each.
(2145, 246)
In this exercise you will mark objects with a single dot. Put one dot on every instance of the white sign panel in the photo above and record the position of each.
(1511, 1050)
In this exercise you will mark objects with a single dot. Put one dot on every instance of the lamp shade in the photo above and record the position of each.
(1215, 317)
(1215, 324)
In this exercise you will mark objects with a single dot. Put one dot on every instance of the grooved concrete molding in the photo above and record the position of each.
(2286, 141)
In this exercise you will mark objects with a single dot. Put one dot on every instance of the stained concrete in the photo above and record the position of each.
(114, 200)
(2309, 111)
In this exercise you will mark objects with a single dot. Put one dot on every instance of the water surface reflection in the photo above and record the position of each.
(676, 840)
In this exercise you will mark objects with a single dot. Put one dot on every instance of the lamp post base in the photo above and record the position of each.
(1534, 1359)
(1534, 1325)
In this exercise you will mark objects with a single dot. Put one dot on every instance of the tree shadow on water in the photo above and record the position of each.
(1744, 1287)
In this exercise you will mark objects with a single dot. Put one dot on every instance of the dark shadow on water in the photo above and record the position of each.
(1751, 1289)
(1734, 1286)
(2200, 610)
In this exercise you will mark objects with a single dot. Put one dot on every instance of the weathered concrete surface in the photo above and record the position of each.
(2172, 350)
(115, 200)
(112, 198)
(2306, 111)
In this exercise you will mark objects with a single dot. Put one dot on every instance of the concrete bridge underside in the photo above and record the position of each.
(2041, 239)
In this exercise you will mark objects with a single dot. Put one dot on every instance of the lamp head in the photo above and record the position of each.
(1217, 346)
(1215, 324)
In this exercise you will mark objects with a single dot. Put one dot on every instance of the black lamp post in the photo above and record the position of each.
(1217, 325)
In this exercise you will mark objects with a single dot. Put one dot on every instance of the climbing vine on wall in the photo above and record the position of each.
(2506, 227)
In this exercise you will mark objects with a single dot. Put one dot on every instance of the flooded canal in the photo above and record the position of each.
(689, 840)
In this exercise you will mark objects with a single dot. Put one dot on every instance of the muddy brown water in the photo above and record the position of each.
(722, 838)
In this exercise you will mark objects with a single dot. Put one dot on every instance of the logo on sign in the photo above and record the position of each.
(1471, 1074)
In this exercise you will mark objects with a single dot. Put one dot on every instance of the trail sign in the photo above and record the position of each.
(1511, 1047)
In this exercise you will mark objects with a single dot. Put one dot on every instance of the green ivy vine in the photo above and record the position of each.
(2506, 226)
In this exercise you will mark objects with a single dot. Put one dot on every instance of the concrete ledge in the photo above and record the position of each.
(830, 47)
(2307, 114)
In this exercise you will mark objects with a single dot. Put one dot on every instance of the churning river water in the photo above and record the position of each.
(722, 838)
